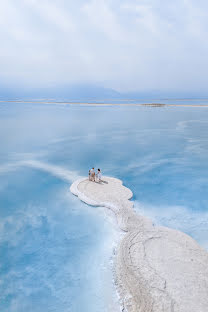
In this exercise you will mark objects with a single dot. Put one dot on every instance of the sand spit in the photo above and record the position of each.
(157, 269)
(105, 104)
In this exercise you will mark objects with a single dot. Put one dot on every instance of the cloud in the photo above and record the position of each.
(53, 13)
(125, 45)
(103, 19)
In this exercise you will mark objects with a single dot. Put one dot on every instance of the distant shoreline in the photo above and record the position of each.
(110, 104)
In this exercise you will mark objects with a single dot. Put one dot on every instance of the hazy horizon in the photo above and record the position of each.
(87, 92)
(139, 47)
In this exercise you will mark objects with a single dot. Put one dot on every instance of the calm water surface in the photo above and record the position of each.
(56, 252)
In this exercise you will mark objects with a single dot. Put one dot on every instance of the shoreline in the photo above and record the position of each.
(106, 104)
(157, 269)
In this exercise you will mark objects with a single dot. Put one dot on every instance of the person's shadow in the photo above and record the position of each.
(104, 181)
(101, 182)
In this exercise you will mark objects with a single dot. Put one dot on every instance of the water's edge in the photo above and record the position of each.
(141, 275)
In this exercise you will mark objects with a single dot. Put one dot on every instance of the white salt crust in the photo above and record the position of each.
(157, 269)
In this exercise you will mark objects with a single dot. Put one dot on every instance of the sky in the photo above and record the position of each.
(128, 46)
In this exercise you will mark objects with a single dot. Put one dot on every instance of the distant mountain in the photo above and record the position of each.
(163, 95)
(88, 92)
(76, 92)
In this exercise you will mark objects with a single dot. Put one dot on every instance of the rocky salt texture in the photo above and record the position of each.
(157, 269)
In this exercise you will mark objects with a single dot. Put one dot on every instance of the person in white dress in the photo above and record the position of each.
(98, 175)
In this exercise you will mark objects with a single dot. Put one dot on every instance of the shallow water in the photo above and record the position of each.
(56, 252)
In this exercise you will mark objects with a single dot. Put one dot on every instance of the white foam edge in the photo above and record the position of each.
(74, 190)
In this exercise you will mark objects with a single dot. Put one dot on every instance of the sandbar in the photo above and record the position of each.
(158, 269)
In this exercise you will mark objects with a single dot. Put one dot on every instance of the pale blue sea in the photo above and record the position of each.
(56, 253)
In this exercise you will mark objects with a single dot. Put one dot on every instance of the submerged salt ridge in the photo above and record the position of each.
(178, 217)
(55, 250)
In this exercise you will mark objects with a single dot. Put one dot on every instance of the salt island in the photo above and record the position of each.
(158, 269)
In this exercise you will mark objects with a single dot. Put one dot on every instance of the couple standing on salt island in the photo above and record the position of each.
(95, 177)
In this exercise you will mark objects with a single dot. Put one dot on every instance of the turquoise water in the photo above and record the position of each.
(56, 252)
